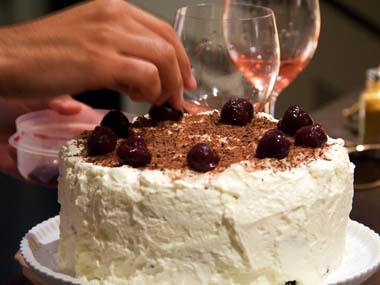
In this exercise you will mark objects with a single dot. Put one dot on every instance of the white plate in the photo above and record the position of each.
(39, 249)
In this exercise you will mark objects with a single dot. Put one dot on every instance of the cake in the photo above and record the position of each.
(248, 218)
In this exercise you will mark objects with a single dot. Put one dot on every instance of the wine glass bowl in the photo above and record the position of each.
(234, 51)
(298, 23)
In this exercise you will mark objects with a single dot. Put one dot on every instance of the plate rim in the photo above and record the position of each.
(43, 271)
(47, 273)
(364, 275)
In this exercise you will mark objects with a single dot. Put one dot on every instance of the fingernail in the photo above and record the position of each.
(178, 105)
(69, 107)
(192, 82)
(159, 101)
(182, 100)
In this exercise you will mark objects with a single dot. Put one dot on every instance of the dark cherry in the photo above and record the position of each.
(134, 152)
(102, 140)
(45, 174)
(293, 119)
(165, 112)
(273, 144)
(202, 158)
(135, 141)
(237, 111)
(311, 136)
(118, 122)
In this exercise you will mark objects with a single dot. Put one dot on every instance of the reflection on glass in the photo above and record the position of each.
(298, 23)
(234, 51)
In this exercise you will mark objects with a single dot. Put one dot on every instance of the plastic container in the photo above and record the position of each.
(39, 137)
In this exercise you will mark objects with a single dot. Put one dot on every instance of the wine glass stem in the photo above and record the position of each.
(270, 106)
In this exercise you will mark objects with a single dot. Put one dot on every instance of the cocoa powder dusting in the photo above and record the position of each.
(169, 143)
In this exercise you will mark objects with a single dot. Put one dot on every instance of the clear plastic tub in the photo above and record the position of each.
(39, 137)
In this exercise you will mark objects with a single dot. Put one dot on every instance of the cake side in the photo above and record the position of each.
(251, 222)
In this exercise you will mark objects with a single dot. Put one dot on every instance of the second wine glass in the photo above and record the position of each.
(298, 23)
(234, 51)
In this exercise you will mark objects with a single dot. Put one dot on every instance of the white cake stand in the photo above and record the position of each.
(39, 249)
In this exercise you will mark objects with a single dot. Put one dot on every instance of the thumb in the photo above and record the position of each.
(66, 105)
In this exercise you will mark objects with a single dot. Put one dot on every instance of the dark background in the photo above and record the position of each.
(24, 205)
(349, 44)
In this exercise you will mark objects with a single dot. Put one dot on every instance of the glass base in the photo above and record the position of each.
(269, 107)
(206, 102)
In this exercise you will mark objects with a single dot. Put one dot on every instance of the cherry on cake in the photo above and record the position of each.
(219, 198)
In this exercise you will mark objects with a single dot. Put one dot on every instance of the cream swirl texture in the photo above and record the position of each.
(239, 226)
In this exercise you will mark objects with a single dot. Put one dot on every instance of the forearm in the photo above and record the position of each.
(99, 44)
(8, 63)
(33, 64)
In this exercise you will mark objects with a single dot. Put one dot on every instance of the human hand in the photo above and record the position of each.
(10, 109)
(99, 44)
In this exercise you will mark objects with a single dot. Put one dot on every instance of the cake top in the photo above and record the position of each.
(169, 142)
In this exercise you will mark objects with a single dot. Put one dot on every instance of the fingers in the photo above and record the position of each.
(143, 78)
(166, 31)
(157, 51)
(175, 101)
(66, 105)
(155, 41)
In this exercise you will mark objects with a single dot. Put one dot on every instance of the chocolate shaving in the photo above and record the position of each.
(169, 143)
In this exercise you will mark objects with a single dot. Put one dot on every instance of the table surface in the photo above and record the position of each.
(365, 210)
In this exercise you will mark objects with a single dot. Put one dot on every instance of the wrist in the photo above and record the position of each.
(8, 62)
(5, 78)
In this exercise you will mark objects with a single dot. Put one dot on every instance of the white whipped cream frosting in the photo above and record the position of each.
(125, 226)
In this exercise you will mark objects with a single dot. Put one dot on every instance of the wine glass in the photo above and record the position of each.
(234, 51)
(298, 23)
